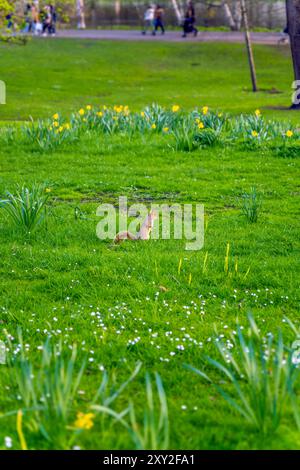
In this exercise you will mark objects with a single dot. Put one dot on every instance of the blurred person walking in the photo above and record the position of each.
(158, 20)
(148, 18)
(35, 26)
(53, 20)
(47, 20)
(80, 14)
(189, 21)
(10, 21)
(28, 18)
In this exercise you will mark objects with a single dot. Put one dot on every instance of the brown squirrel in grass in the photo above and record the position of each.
(143, 234)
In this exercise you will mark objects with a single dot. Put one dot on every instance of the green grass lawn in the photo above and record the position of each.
(48, 76)
(66, 284)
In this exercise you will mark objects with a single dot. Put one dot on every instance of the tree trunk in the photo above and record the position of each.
(80, 14)
(233, 15)
(118, 11)
(93, 12)
(228, 16)
(293, 26)
(249, 46)
(178, 12)
(237, 15)
(93, 17)
(20, 7)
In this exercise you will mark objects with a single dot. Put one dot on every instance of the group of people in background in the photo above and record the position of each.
(40, 22)
(153, 20)
(43, 21)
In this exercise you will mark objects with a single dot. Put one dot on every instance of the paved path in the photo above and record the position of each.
(171, 36)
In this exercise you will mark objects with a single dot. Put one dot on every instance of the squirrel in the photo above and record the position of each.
(143, 234)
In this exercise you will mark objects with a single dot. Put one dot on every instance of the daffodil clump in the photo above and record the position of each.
(189, 130)
(48, 135)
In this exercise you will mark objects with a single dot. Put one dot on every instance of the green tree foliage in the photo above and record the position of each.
(5, 8)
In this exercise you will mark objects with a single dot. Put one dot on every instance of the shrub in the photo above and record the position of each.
(190, 130)
(251, 205)
(48, 393)
(262, 374)
(8, 135)
(207, 137)
(185, 137)
(286, 150)
(48, 135)
(26, 208)
(154, 432)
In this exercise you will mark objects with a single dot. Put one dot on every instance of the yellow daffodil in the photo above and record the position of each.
(254, 134)
(81, 112)
(175, 108)
(258, 113)
(88, 107)
(205, 110)
(67, 126)
(166, 129)
(84, 421)
(142, 114)
(118, 109)
(55, 124)
(200, 125)
(55, 117)
(100, 114)
(153, 126)
(289, 133)
(61, 128)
